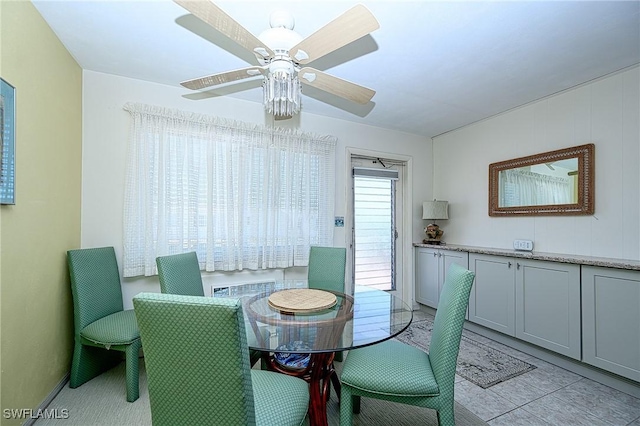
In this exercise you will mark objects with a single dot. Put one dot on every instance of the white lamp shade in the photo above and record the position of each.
(432, 210)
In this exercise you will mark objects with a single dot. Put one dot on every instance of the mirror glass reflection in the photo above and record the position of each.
(551, 183)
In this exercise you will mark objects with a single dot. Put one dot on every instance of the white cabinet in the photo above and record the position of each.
(611, 320)
(548, 305)
(588, 313)
(492, 299)
(427, 271)
(536, 301)
(431, 268)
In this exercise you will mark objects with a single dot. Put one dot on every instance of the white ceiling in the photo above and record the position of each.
(435, 65)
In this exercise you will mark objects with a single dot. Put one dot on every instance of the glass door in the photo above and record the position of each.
(375, 227)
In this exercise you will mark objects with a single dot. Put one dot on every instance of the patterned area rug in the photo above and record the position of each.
(477, 362)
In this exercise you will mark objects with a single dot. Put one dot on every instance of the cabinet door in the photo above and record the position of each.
(548, 305)
(446, 259)
(492, 301)
(427, 276)
(611, 320)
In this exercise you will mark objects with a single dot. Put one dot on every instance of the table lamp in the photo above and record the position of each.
(434, 210)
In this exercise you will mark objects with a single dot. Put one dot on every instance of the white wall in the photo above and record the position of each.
(605, 112)
(105, 133)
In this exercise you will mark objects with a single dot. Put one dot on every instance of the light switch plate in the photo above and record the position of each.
(526, 245)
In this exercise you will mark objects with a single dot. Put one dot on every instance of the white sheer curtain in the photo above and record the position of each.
(241, 196)
(524, 188)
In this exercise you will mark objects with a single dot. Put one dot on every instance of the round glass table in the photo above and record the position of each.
(367, 317)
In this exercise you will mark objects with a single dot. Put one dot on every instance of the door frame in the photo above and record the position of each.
(405, 172)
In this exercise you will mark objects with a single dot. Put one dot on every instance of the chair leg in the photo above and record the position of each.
(132, 370)
(346, 409)
(336, 384)
(255, 356)
(446, 416)
(88, 362)
(264, 360)
(355, 400)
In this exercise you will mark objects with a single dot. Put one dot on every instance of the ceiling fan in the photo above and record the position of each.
(283, 55)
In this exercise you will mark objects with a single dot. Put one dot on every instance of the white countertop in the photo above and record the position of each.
(534, 255)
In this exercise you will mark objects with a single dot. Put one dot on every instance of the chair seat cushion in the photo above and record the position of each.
(390, 368)
(279, 399)
(120, 328)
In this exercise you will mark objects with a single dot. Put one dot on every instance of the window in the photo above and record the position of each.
(241, 196)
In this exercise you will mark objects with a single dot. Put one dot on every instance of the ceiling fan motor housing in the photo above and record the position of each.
(280, 40)
(281, 67)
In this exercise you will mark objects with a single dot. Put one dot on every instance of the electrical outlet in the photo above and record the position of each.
(525, 245)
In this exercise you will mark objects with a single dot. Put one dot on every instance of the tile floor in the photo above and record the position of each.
(548, 395)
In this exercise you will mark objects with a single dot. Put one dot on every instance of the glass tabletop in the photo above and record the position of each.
(369, 316)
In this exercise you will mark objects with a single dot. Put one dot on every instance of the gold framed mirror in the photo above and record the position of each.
(551, 183)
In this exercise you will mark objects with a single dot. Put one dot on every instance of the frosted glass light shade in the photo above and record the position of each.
(282, 93)
(432, 210)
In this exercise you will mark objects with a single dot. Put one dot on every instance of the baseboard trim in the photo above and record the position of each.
(601, 376)
(44, 404)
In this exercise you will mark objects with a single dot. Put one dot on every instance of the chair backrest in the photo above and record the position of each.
(326, 268)
(180, 274)
(447, 325)
(197, 359)
(95, 284)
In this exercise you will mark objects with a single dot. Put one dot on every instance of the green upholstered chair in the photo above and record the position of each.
(325, 272)
(326, 268)
(198, 370)
(400, 373)
(180, 274)
(103, 330)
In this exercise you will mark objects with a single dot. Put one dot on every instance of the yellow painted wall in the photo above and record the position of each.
(36, 320)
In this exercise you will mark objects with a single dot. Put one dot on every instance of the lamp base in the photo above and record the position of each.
(434, 234)
(433, 242)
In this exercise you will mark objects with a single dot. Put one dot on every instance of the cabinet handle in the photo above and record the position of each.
(435, 254)
(439, 254)
(509, 265)
(518, 265)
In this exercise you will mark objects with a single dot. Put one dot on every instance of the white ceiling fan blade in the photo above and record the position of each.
(355, 23)
(221, 78)
(334, 85)
(218, 19)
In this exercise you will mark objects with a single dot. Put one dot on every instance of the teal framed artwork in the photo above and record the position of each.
(7, 143)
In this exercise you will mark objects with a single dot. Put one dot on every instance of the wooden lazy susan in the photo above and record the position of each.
(300, 300)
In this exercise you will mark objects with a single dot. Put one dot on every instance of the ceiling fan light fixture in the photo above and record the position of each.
(282, 93)
(283, 54)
